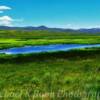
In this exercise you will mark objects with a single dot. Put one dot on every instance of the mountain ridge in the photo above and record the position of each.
(30, 28)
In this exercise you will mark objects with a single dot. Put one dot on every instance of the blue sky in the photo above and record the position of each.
(51, 13)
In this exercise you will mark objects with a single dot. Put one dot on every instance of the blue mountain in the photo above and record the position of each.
(30, 28)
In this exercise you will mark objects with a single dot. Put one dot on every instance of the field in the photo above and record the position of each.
(23, 38)
(72, 75)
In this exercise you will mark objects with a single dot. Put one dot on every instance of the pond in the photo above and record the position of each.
(46, 48)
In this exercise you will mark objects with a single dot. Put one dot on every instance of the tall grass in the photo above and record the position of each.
(58, 73)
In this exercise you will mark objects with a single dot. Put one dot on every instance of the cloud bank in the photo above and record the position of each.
(3, 8)
(6, 21)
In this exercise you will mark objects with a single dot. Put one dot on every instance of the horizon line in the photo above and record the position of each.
(51, 27)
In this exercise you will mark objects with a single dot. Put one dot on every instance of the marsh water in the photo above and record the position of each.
(46, 48)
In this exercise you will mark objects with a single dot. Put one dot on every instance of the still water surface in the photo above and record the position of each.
(46, 48)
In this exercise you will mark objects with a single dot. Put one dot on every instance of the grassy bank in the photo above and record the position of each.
(7, 43)
(24, 38)
(78, 71)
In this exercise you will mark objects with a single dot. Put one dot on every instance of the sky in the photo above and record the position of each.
(51, 13)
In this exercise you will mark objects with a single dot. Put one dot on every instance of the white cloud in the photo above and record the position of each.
(2, 8)
(6, 21)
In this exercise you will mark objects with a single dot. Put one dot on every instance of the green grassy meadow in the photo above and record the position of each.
(17, 38)
(72, 75)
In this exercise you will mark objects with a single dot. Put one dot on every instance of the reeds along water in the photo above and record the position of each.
(73, 54)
